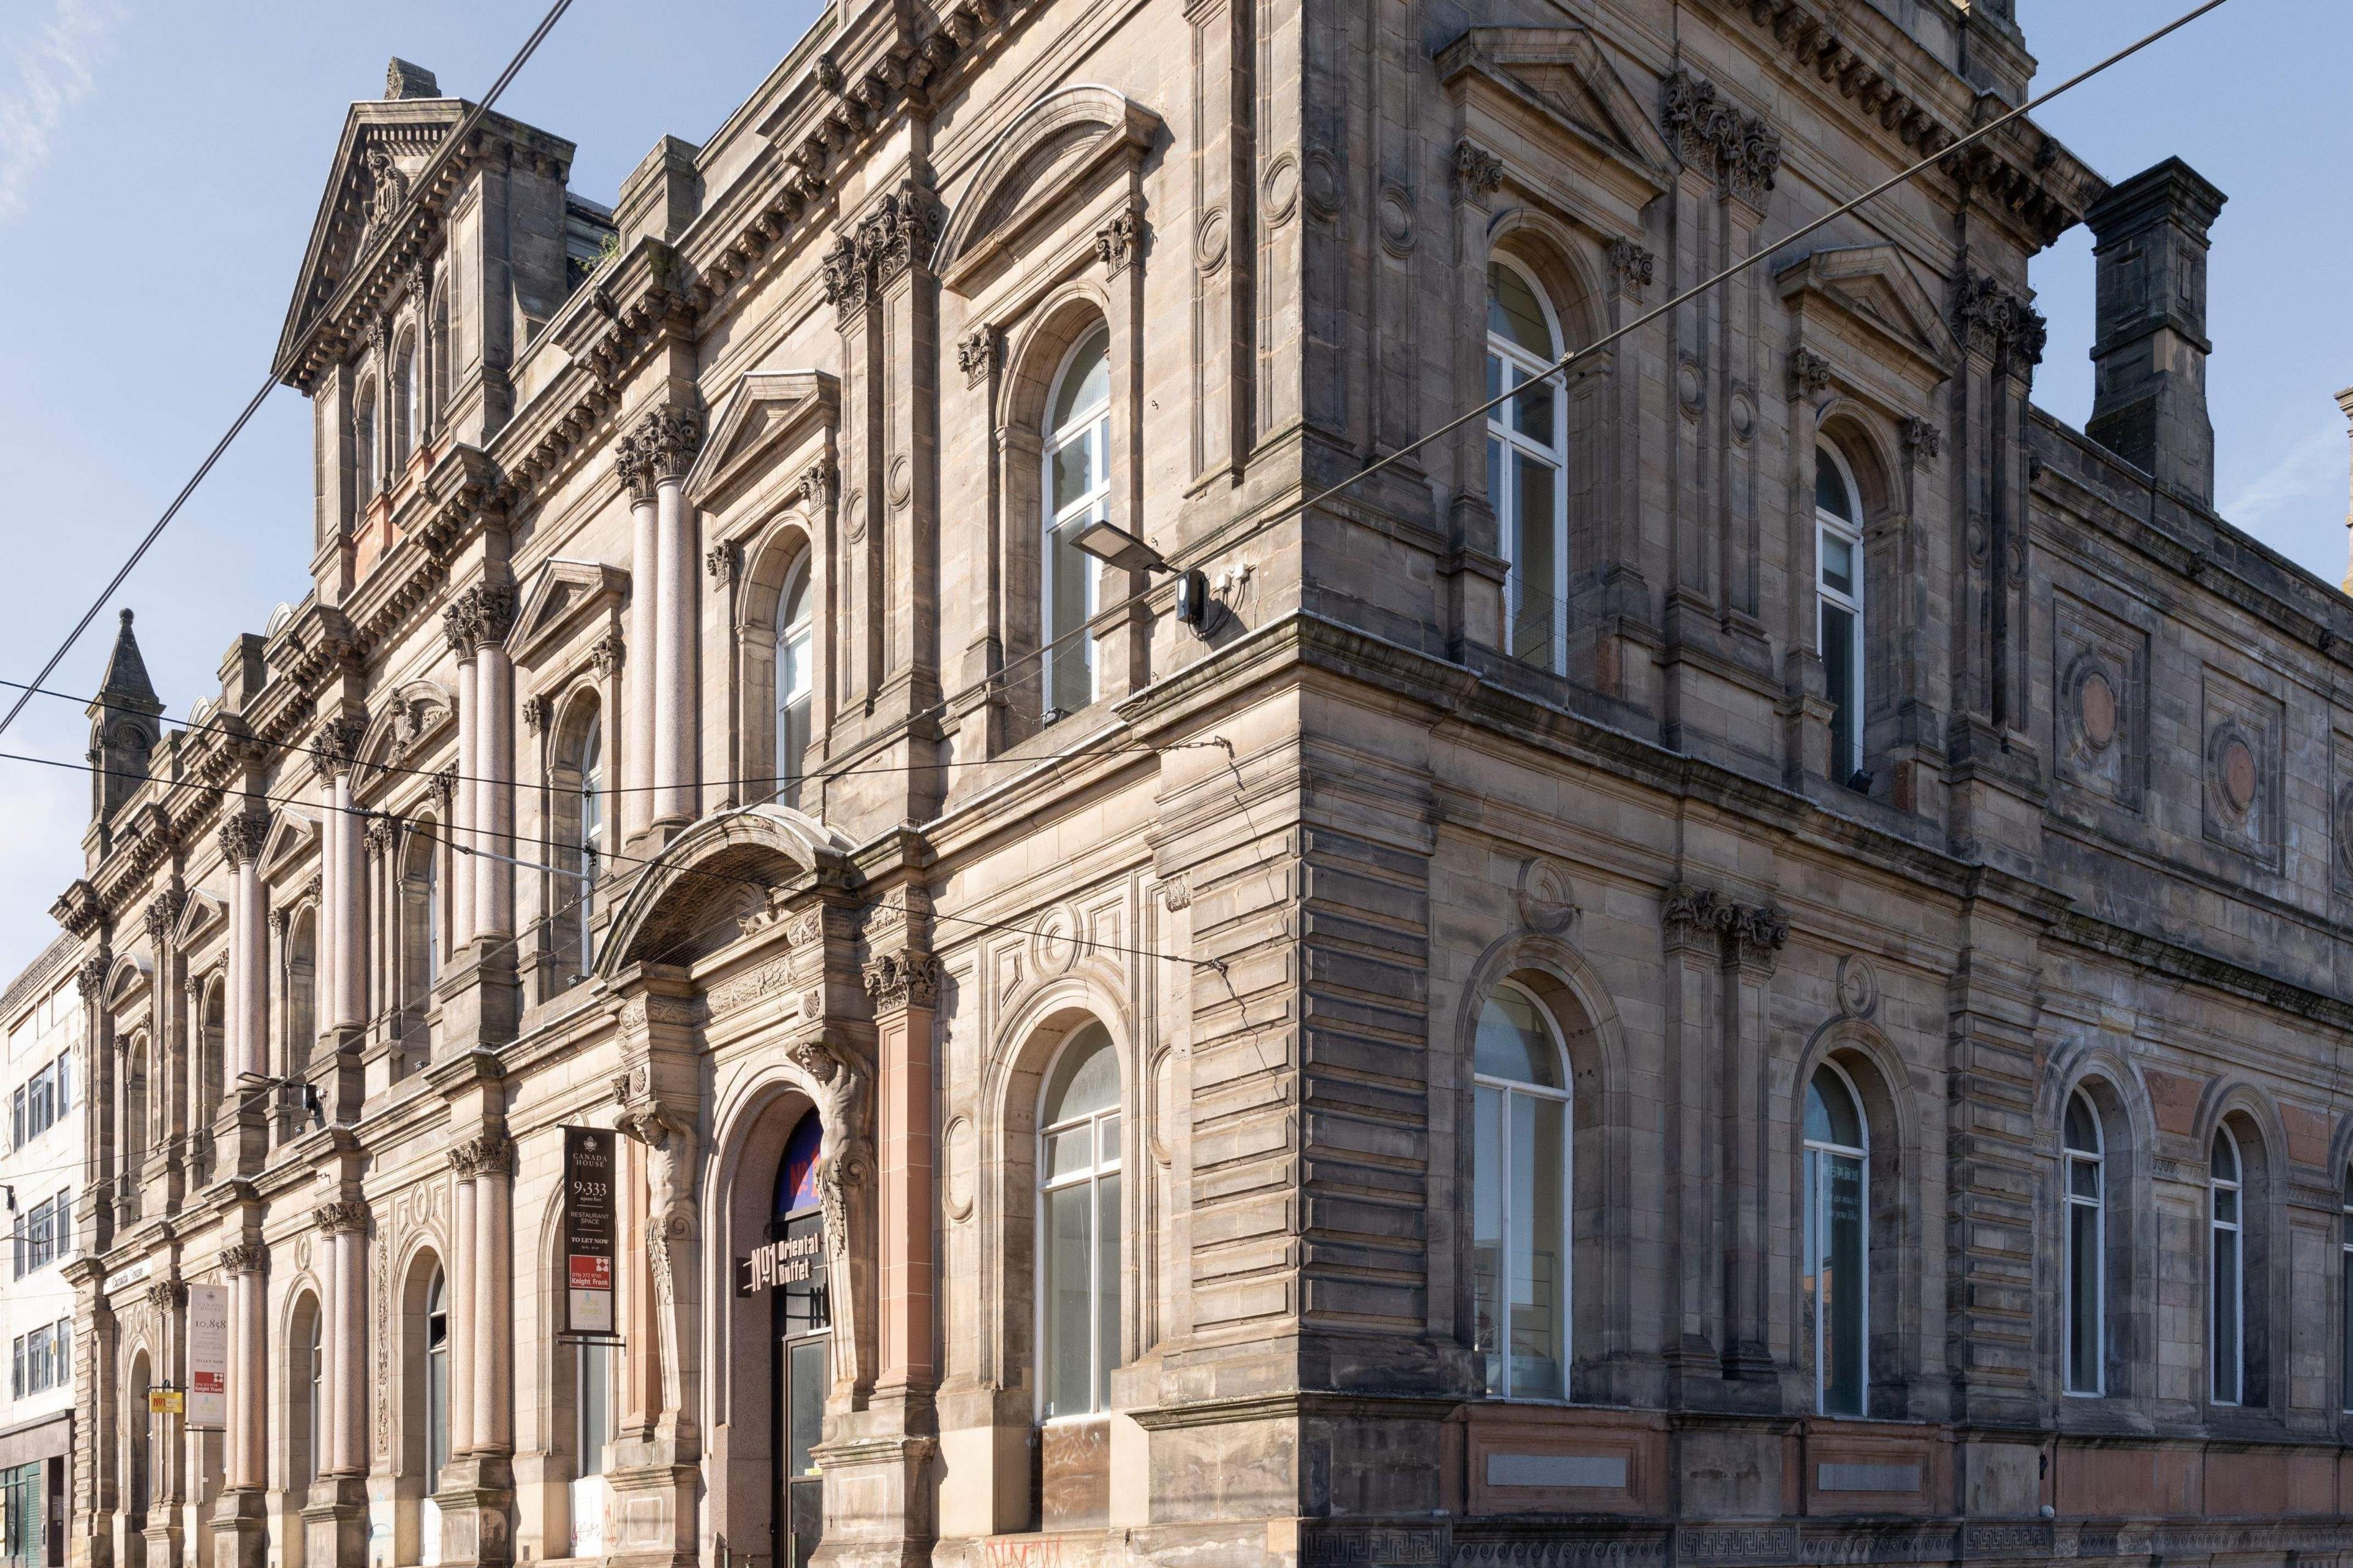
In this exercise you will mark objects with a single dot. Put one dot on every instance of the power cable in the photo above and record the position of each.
(457, 138)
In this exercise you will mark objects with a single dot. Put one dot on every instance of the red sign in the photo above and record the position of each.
(591, 1273)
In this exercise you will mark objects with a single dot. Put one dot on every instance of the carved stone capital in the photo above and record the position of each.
(905, 979)
(666, 441)
(335, 748)
(1477, 173)
(721, 560)
(167, 1295)
(245, 1258)
(89, 978)
(978, 351)
(1707, 131)
(486, 1154)
(900, 232)
(1633, 266)
(1119, 242)
(536, 709)
(1996, 322)
(635, 468)
(820, 483)
(844, 277)
(164, 914)
(1924, 439)
(379, 834)
(1810, 373)
(342, 1217)
(1754, 937)
(242, 836)
(606, 654)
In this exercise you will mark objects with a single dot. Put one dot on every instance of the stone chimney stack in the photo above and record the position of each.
(2148, 400)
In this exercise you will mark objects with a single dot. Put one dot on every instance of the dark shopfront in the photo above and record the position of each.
(789, 1268)
(35, 1482)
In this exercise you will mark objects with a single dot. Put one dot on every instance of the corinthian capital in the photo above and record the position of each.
(489, 1153)
(245, 1258)
(346, 1214)
(242, 836)
(907, 979)
(666, 440)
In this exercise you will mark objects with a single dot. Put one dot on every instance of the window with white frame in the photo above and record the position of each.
(41, 1102)
(2226, 1264)
(44, 1234)
(796, 681)
(1077, 490)
(2345, 1296)
(1839, 585)
(1528, 446)
(1520, 1187)
(2087, 1237)
(41, 1360)
(591, 848)
(1835, 1244)
(437, 1380)
(1079, 1226)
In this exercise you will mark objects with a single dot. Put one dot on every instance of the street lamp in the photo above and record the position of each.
(1115, 546)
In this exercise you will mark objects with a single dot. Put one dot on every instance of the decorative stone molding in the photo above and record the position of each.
(536, 709)
(1747, 935)
(1810, 373)
(445, 785)
(1633, 266)
(977, 354)
(843, 278)
(1177, 893)
(902, 229)
(488, 1155)
(335, 748)
(164, 914)
(606, 654)
(1546, 897)
(1119, 242)
(166, 1295)
(906, 979)
(667, 439)
(1756, 934)
(89, 977)
(722, 562)
(481, 617)
(1994, 321)
(820, 483)
(1477, 171)
(1707, 131)
(245, 1258)
(1924, 439)
(279, 919)
(242, 836)
(379, 834)
(345, 1215)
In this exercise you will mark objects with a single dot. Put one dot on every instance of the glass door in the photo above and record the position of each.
(803, 1325)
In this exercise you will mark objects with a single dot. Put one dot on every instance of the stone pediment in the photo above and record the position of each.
(1563, 76)
(559, 596)
(1054, 152)
(1870, 289)
(405, 729)
(292, 835)
(762, 421)
(201, 914)
(384, 147)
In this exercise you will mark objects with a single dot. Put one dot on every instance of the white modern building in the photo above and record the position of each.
(41, 1019)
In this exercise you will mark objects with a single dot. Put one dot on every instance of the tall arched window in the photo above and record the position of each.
(1076, 489)
(142, 1443)
(437, 1380)
(301, 993)
(2087, 1239)
(1520, 1199)
(438, 341)
(310, 1385)
(363, 446)
(2226, 1335)
(1839, 585)
(2345, 1295)
(1527, 443)
(1079, 1226)
(420, 915)
(795, 623)
(1836, 1244)
(591, 847)
(211, 1033)
(404, 403)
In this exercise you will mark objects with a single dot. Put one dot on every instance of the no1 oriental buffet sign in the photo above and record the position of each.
(588, 1230)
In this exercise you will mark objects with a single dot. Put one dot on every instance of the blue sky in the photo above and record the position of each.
(160, 162)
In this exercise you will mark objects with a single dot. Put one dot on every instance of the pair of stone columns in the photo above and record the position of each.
(658, 771)
(482, 812)
(245, 1020)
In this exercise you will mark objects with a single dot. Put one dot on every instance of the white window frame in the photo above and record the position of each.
(1829, 525)
(2345, 1302)
(1565, 1098)
(2236, 1228)
(795, 679)
(1504, 500)
(592, 834)
(1089, 425)
(2098, 1159)
(1099, 1358)
(1818, 1154)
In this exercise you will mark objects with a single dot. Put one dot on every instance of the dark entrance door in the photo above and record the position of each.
(803, 1338)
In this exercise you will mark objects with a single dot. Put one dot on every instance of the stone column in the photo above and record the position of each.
(493, 760)
(493, 1288)
(668, 438)
(344, 896)
(98, 1413)
(635, 729)
(247, 1009)
(1752, 936)
(1693, 1338)
(457, 626)
(240, 1523)
(102, 1163)
(334, 1519)
(477, 1494)
(904, 985)
(166, 1303)
(461, 1303)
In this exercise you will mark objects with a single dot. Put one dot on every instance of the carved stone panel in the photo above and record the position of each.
(2245, 737)
(2099, 685)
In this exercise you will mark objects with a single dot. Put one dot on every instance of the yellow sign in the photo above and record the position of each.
(165, 1402)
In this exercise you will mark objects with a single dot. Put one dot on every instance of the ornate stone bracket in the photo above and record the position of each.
(1477, 173)
(1748, 935)
(1994, 321)
(1708, 132)
(977, 353)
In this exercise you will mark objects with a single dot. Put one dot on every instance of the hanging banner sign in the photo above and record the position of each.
(588, 1230)
(165, 1402)
(208, 1357)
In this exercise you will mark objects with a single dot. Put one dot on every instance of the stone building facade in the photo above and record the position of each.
(1745, 964)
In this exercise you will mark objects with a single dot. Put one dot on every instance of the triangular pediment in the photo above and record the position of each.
(384, 148)
(562, 593)
(767, 415)
(294, 835)
(1052, 152)
(1564, 75)
(1870, 286)
(202, 912)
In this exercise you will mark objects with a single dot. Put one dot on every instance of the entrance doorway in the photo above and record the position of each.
(801, 1330)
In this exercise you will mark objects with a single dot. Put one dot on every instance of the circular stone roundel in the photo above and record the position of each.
(2095, 709)
(2236, 773)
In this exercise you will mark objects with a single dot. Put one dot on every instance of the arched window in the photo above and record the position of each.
(2087, 1246)
(590, 848)
(142, 1443)
(1079, 1226)
(308, 1388)
(437, 1380)
(438, 341)
(302, 994)
(404, 403)
(211, 1033)
(420, 915)
(1077, 487)
(363, 446)
(1836, 1242)
(1839, 592)
(1520, 1199)
(1527, 443)
(2226, 1335)
(796, 621)
(2345, 1294)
